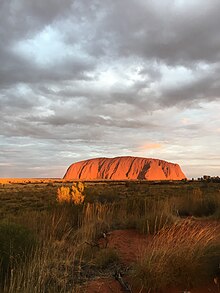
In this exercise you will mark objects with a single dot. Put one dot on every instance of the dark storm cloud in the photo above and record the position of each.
(169, 32)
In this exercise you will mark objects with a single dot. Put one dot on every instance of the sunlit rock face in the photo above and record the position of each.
(124, 168)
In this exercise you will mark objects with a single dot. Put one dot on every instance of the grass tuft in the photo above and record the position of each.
(185, 254)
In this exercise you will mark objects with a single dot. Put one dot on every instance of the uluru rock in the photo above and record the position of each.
(124, 168)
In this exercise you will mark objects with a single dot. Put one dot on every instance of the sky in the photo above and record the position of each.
(99, 78)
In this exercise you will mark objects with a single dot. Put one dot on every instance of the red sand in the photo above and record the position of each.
(128, 244)
(112, 286)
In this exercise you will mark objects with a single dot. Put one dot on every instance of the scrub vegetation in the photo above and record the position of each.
(54, 236)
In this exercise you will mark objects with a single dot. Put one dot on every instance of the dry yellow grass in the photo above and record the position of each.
(180, 252)
(97, 218)
(29, 180)
(52, 266)
(184, 254)
(51, 269)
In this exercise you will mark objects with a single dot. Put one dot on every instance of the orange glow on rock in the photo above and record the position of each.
(124, 168)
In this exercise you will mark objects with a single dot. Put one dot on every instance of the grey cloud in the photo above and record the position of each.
(17, 69)
(67, 113)
(204, 88)
(151, 71)
(86, 120)
(84, 98)
(13, 104)
(21, 128)
(164, 32)
(20, 19)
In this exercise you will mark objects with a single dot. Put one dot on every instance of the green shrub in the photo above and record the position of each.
(16, 243)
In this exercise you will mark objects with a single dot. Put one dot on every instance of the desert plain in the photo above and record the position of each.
(108, 236)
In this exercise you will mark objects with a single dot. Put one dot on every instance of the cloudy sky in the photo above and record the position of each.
(93, 78)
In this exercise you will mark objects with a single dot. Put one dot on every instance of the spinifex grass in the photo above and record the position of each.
(197, 203)
(51, 269)
(185, 254)
(97, 218)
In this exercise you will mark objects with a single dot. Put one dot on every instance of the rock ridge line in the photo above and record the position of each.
(124, 168)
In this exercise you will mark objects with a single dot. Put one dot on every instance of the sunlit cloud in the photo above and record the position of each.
(185, 121)
(150, 146)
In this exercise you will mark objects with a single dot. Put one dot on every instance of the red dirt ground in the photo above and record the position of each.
(112, 286)
(128, 244)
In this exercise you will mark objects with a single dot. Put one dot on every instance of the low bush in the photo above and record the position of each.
(63, 194)
(74, 195)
